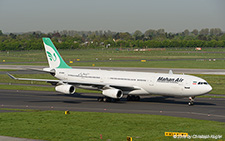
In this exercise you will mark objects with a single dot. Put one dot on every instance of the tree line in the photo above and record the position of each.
(71, 39)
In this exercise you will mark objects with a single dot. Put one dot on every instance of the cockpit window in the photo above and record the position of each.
(202, 83)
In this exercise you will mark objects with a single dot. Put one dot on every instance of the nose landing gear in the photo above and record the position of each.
(191, 101)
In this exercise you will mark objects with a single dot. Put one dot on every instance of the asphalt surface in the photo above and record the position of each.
(5, 138)
(204, 108)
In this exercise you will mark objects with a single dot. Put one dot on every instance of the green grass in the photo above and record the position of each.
(20, 110)
(219, 64)
(54, 125)
(158, 64)
(7, 70)
(28, 88)
(216, 81)
(33, 57)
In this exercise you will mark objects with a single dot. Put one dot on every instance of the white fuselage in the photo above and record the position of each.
(146, 83)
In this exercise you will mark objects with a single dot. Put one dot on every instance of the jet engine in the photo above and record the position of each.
(66, 89)
(113, 93)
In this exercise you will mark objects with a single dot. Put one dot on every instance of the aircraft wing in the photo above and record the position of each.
(30, 79)
(97, 85)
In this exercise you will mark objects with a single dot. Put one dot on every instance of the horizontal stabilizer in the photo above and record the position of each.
(47, 70)
(11, 76)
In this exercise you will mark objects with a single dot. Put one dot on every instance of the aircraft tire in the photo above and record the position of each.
(137, 98)
(115, 100)
(190, 103)
(100, 99)
(133, 98)
(107, 99)
(128, 98)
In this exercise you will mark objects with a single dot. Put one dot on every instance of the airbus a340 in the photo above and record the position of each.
(115, 84)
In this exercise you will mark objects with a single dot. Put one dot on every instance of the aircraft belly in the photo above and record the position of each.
(136, 92)
(87, 87)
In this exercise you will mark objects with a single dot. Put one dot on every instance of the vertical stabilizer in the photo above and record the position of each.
(53, 56)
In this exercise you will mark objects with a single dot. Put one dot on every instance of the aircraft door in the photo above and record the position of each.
(65, 76)
(187, 85)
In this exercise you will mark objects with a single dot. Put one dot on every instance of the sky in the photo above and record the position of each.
(115, 15)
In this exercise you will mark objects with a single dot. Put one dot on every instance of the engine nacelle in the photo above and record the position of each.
(66, 89)
(113, 93)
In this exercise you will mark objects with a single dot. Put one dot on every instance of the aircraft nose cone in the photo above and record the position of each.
(208, 89)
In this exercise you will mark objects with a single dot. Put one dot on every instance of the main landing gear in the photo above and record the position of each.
(133, 98)
(107, 99)
(191, 101)
(129, 98)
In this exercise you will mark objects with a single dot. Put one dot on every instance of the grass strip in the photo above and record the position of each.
(122, 58)
(28, 88)
(7, 70)
(55, 125)
(20, 110)
(216, 81)
(148, 64)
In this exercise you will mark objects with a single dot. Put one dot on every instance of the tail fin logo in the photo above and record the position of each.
(52, 57)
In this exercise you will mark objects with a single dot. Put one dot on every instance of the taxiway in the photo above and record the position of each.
(204, 108)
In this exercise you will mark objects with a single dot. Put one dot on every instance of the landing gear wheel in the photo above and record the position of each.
(133, 98)
(137, 98)
(191, 102)
(128, 98)
(100, 99)
(115, 100)
(107, 99)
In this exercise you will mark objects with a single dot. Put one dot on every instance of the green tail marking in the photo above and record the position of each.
(53, 57)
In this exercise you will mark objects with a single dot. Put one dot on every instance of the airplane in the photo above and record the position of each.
(115, 84)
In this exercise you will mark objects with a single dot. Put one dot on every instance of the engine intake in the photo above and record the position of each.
(66, 89)
(113, 93)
